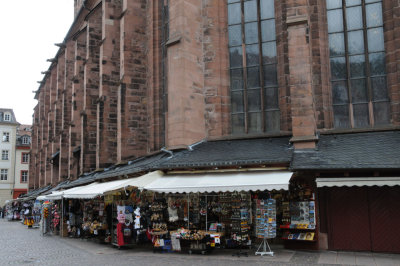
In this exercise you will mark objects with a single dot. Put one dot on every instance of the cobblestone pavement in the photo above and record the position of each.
(23, 246)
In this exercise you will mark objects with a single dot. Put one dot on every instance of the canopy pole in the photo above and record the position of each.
(206, 212)
(188, 212)
(62, 217)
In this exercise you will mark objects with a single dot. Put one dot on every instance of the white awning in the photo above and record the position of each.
(57, 195)
(92, 190)
(358, 181)
(138, 182)
(99, 189)
(221, 182)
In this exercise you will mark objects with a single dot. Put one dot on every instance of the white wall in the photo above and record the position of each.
(8, 184)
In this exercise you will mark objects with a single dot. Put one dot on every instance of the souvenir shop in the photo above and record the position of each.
(198, 213)
(194, 213)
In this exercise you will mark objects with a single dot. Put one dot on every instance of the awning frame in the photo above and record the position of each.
(358, 181)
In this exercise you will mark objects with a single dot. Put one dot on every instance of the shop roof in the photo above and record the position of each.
(142, 164)
(34, 193)
(370, 150)
(224, 153)
(139, 165)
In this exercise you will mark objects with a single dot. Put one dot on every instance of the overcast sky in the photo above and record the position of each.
(29, 29)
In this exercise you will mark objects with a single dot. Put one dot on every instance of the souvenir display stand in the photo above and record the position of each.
(240, 232)
(94, 223)
(36, 214)
(46, 218)
(74, 217)
(126, 222)
(300, 227)
(265, 224)
(130, 218)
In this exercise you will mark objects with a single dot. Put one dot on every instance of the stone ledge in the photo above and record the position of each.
(296, 20)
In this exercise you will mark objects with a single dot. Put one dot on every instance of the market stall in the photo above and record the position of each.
(221, 202)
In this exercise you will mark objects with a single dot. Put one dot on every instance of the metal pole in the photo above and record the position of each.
(206, 213)
(188, 203)
(62, 217)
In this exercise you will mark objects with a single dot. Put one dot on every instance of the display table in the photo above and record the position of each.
(199, 241)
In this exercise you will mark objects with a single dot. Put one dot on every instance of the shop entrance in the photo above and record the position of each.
(364, 218)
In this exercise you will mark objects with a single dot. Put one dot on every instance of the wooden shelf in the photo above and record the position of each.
(298, 229)
(302, 240)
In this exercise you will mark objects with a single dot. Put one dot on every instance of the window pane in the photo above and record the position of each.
(255, 122)
(374, 15)
(379, 89)
(254, 100)
(335, 20)
(250, 10)
(377, 63)
(251, 32)
(381, 113)
(358, 91)
(341, 116)
(353, 2)
(233, 1)
(234, 14)
(339, 92)
(336, 44)
(271, 100)
(237, 101)
(333, 4)
(361, 118)
(235, 35)
(238, 123)
(253, 77)
(375, 40)
(237, 79)
(270, 76)
(267, 9)
(272, 121)
(356, 42)
(268, 30)
(338, 68)
(236, 56)
(357, 66)
(354, 18)
(252, 55)
(269, 52)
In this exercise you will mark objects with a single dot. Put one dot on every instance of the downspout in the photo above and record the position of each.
(15, 162)
(171, 153)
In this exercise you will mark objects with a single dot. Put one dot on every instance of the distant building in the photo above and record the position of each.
(15, 147)
(8, 133)
(23, 148)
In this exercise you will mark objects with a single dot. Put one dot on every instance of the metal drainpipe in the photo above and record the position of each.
(15, 163)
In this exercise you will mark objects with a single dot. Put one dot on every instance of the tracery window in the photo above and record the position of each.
(357, 61)
(253, 66)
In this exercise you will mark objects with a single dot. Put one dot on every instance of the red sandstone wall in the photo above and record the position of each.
(104, 90)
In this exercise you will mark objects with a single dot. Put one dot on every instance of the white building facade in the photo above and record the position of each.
(8, 136)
